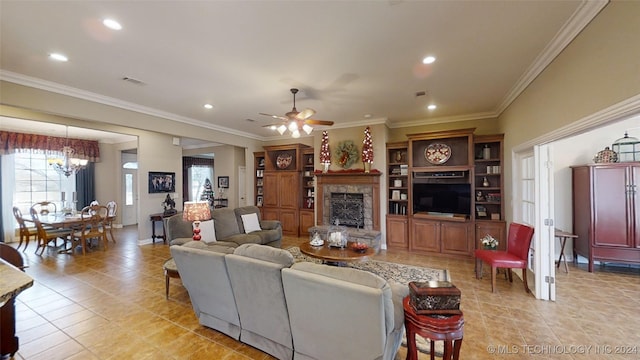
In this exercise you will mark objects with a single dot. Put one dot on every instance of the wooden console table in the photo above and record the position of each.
(158, 217)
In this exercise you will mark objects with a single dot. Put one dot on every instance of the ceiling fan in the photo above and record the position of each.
(295, 120)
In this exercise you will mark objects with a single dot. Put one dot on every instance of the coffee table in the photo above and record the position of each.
(335, 256)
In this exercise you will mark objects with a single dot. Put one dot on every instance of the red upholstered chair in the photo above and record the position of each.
(516, 256)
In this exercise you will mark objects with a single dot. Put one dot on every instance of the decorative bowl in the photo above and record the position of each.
(359, 246)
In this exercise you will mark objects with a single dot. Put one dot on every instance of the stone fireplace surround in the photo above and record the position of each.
(367, 184)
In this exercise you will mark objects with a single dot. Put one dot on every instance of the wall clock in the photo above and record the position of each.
(437, 153)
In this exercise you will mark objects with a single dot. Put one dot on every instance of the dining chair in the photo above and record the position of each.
(94, 203)
(26, 232)
(45, 207)
(93, 226)
(515, 257)
(112, 206)
(47, 235)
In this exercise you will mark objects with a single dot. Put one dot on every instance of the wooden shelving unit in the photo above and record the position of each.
(489, 185)
(397, 195)
(259, 165)
(308, 192)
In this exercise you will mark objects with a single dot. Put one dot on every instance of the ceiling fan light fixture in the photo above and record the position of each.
(293, 126)
(295, 134)
(281, 129)
(308, 129)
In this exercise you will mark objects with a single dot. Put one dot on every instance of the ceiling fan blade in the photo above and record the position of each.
(274, 116)
(305, 114)
(318, 122)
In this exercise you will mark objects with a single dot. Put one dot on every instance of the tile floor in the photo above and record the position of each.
(111, 305)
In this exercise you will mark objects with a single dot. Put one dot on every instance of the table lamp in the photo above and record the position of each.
(196, 211)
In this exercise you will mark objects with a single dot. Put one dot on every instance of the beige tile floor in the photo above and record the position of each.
(111, 305)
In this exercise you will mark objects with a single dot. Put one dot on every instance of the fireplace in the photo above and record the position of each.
(347, 209)
(352, 185)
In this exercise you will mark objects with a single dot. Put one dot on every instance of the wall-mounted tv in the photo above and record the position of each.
(442, 198)
(162, 182)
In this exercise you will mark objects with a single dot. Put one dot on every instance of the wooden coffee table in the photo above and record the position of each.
(331, 255)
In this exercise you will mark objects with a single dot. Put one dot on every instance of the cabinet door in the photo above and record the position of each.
(289, 220)
(612, 210)
(425, 236)
(289, 189)
(456, 238)
(270, 213)
(634, 196)
(495, 229)
(270, 189)
(397, 236)
(306, 221)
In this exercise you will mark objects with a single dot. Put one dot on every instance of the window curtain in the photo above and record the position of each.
(85, 185)
(1, 207)
(187, 162)
(11, 142)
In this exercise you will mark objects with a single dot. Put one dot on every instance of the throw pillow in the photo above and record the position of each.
(208, 232)
(250, 223)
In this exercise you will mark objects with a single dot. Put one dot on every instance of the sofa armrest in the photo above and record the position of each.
(269, 224)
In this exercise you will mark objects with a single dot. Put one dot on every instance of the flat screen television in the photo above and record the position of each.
(442, 198)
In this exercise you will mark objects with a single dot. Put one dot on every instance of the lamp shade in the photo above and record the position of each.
(196, 211)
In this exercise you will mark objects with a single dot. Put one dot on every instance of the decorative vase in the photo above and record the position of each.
(367, 167)
(485, 182)
(398, 156)
(486, 152)
(325, 168)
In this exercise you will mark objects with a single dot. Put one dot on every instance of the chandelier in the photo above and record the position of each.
(67, 165)
(294, 127)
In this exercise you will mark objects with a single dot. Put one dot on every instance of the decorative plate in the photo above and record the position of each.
(283, 161)
(437, 153)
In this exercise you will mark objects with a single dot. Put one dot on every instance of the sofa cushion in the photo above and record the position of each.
(244, 211)
(250, 223)
(208, 232)
(219, 247)
(226, 223)
(342, 273)
(265, 253)
(176, 227)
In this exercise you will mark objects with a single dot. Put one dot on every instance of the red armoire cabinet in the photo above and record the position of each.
(606, 212)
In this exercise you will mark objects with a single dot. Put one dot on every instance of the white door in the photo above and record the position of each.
(130, 201)
(544, 236)
(242, 187)
(128, 207)
(524, 206)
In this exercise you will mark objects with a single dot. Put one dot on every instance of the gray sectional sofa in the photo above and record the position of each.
(229, 228)
(258, 295)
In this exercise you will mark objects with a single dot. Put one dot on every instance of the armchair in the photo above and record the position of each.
(516, 256)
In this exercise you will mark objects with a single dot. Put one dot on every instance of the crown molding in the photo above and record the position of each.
(444, 120)
(584, 14)
(24, 80)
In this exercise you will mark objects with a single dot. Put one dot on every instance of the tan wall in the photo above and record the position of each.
(598, 69)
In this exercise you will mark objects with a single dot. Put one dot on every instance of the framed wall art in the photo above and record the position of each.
(223, 182)
(162, 182)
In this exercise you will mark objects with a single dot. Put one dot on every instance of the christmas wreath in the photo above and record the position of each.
(346, 153)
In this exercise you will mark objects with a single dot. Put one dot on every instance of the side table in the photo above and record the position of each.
(433, 327)
(563, 236)
(154, 218)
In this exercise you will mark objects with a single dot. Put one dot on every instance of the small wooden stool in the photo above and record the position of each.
(170, 271)
(433, 327)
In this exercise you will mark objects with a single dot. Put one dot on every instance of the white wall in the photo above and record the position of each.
(579, 150)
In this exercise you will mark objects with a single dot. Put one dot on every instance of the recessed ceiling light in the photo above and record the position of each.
(58, 57)
(428, 60)
(367, 116)
(208, 106)
(112, 24)
(431, 107)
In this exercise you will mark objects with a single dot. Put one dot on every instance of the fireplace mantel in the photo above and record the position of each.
(351, 180)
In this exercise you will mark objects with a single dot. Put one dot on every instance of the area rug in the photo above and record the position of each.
(399, 273)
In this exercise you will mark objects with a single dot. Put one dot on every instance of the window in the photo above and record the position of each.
(197, 178)
(36, 181)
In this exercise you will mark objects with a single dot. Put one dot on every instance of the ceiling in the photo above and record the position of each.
(355, 62)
